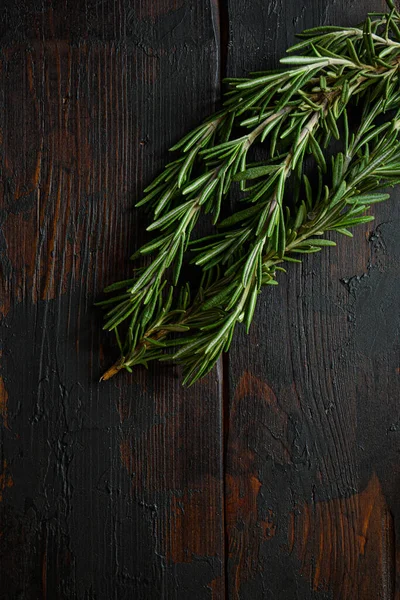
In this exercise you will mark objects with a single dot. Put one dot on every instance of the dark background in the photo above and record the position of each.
(278, 475)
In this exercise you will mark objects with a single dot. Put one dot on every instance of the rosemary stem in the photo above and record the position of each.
(260, 128)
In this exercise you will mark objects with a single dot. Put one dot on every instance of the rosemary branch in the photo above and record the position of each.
(294, 113)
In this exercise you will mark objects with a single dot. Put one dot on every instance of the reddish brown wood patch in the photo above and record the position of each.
(345, 545)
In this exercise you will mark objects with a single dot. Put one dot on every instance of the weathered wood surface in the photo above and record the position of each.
(277, 476)
(312, 472)
(110, 491)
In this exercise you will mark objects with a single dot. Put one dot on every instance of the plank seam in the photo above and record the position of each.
(223, 59)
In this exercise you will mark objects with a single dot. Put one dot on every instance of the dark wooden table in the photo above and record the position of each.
(276, 477)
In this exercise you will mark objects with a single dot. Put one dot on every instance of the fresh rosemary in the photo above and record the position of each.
(292, 114)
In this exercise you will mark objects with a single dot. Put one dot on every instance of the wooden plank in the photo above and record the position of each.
(313, 429)
(108, 490)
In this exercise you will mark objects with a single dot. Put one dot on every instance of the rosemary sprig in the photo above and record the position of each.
(295, 112)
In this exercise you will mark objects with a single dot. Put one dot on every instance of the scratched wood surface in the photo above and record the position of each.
(109, 491)
(312, 473)
(278, 475)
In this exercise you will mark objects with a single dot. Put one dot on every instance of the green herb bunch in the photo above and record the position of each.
(289, 200)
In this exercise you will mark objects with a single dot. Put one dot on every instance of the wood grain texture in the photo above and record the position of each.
(108, 490)
(275, 477)
(312, 474)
